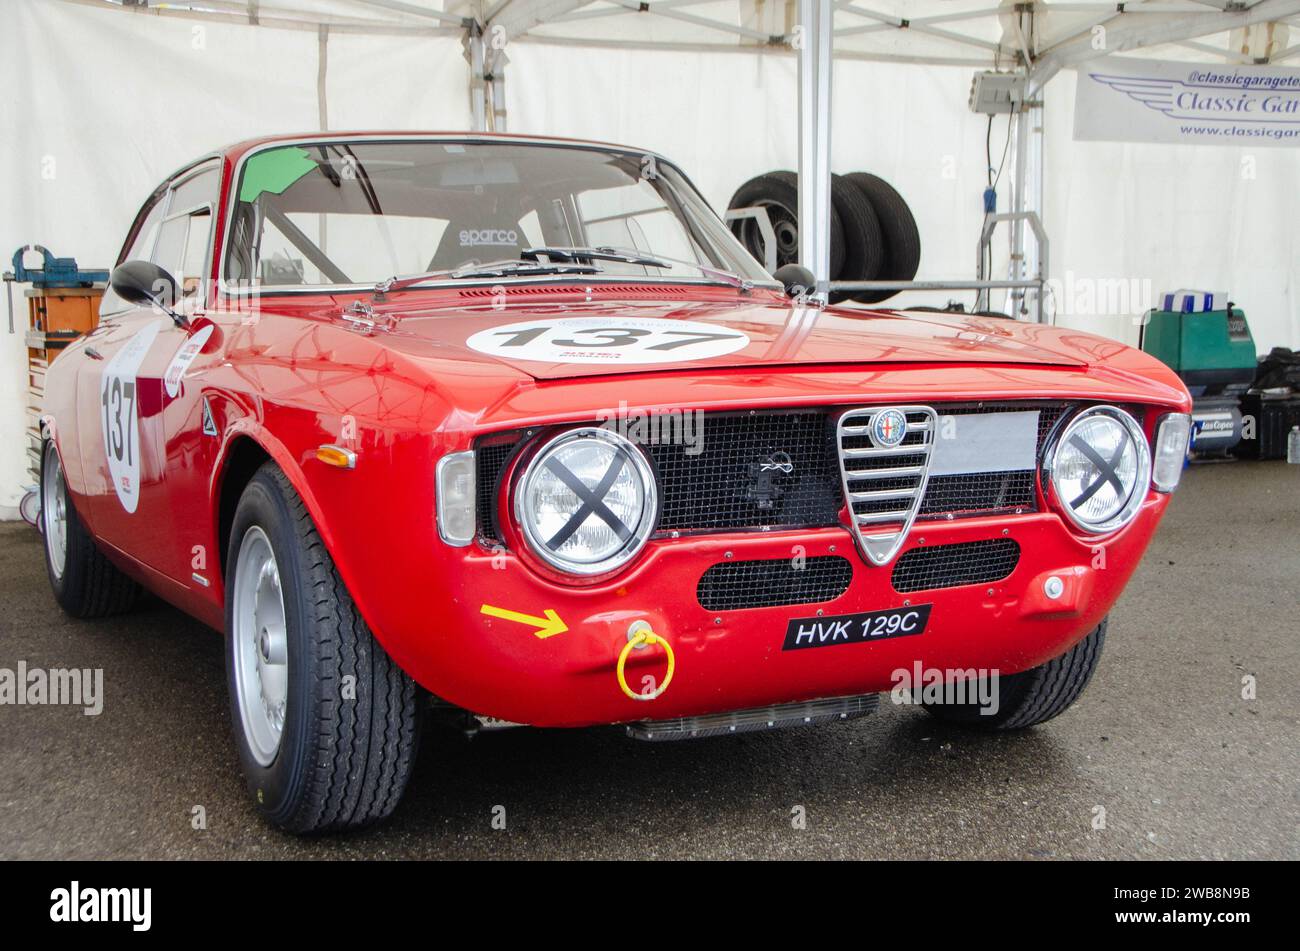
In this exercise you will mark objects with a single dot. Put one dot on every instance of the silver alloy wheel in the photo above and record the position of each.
(54, 513)
(261, 646)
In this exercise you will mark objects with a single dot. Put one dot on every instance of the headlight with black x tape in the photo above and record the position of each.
(587, 501)
(1099, 469)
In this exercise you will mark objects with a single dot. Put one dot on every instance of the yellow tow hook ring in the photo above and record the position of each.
(647, 637)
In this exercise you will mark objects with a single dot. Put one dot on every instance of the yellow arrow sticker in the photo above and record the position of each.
(546, 626)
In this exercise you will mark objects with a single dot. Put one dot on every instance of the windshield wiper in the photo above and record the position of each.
(593, 254)
(519, 268)
(628, 256)
(509, 268)
(571, 260)
(396, 283)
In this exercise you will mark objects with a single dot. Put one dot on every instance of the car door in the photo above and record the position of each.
(122, 393)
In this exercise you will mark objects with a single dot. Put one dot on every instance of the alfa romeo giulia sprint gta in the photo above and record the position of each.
(515, 428)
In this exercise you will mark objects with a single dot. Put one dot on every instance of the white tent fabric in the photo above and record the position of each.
(727, 119)
(99, 104)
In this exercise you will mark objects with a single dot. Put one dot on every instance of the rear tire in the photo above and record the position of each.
(1035, 695)
(902, 237)
(778, 192)
(85, 583)
(864, 244)
(299, 652)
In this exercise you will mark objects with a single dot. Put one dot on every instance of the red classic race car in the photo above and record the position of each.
(516, 428)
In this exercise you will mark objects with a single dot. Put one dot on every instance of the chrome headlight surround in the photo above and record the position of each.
(624, 467)
(1133, 454)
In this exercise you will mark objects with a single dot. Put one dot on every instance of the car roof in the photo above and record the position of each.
(237, 150)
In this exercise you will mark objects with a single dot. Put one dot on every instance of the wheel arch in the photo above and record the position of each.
(245, 450)
(243, 456)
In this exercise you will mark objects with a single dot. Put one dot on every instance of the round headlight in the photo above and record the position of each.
(1100, 468)
(587, 501)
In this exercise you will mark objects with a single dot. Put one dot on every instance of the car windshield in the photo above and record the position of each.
(363, 213)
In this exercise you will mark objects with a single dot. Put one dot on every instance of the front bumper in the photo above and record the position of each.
(493, 665)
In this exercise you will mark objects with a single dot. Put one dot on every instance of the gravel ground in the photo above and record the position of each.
(1162, 740)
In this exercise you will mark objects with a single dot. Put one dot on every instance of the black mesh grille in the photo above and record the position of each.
(739, 480)
(734, 585)
(490, 459)
(979, 492)
(950, 566)
(983, 492)
(726, 486)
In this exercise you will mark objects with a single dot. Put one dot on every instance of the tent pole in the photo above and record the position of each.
(495, 78)
(1019, 205)
(816, 19)
(477, 83)
(1039, 259)
(499, 95)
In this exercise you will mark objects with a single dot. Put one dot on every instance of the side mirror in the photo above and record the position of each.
(797, 280)
(143, 282)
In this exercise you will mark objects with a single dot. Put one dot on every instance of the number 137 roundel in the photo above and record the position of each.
(608, 340)
(119, 415)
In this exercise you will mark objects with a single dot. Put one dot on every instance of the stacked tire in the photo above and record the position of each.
(873, 233)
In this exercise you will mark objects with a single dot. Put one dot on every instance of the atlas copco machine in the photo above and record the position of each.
(1205, 339)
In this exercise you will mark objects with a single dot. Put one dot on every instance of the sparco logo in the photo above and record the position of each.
(103, 904)
(499, 237)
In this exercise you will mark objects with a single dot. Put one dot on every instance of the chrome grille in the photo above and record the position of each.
(884, 485)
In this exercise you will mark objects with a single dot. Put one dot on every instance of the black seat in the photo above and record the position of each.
(478, 240)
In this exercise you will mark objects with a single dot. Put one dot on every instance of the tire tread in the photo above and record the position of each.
(91, 586)
(1036, 695)
(365, 749)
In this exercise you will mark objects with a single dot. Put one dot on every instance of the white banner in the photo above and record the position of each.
(1136, 100)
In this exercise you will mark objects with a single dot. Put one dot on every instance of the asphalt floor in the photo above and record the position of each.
(1162, 745)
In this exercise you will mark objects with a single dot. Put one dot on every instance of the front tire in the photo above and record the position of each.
(326, 724)
(85, 583)
(1034, 695)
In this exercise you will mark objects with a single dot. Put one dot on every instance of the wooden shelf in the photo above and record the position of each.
(55, 317)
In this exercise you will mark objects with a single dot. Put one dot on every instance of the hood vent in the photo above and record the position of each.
(656, 291)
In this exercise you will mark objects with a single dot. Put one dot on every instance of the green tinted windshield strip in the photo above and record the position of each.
(274, 171)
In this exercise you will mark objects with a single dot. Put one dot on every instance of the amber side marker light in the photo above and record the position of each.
(337, 457)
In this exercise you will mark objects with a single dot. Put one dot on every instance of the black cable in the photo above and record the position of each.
(993, 181)
(1006, 147)
(988, 151)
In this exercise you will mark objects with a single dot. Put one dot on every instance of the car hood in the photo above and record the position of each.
(613, 338)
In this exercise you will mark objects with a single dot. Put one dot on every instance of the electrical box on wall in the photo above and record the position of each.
(992, 93)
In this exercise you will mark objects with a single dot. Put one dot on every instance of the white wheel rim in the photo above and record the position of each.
(54, 513)
(261, 654)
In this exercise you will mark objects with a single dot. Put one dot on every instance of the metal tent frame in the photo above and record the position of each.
(1035, 38)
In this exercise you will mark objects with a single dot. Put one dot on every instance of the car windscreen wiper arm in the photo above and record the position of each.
(629, 256)
(490, 269)
(396, 283)
(520, 268)
(594, 254)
